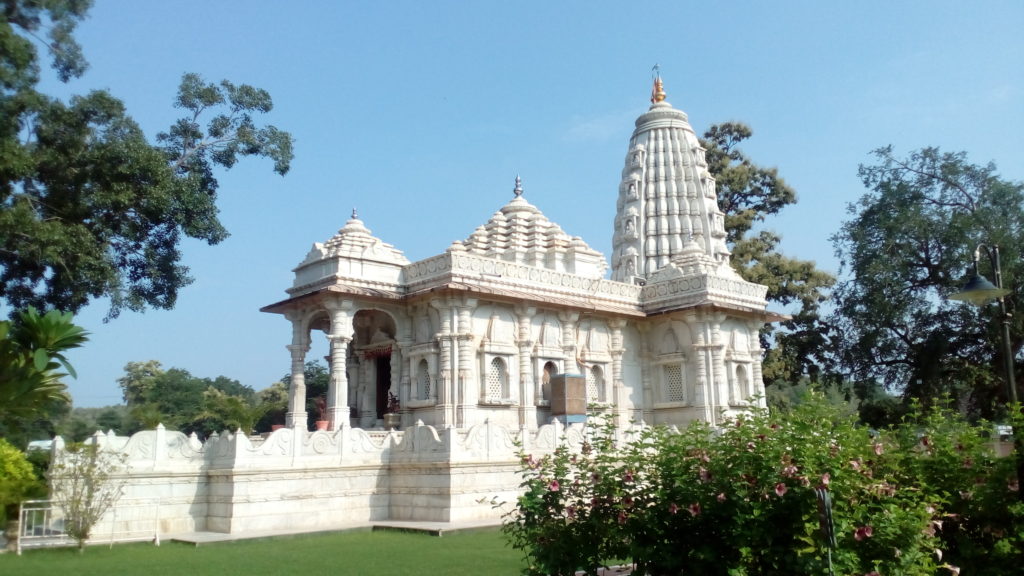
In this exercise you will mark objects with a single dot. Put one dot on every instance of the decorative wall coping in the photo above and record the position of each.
(687, 291)
(520, 280)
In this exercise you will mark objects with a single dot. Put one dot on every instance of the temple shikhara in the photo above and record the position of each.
(472, 342)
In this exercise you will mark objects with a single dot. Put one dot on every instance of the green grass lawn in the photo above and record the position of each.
(381, 553)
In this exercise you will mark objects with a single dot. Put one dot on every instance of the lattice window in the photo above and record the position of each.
(497, 380)
(423, 381)
(595, 385)
(672, 380)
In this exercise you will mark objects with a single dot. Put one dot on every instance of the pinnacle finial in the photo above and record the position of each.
(354, 215)
(518, 191)
(658, 91)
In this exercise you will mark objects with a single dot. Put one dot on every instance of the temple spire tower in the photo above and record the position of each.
(667, 209)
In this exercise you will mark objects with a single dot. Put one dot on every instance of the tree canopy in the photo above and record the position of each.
(89, 208)
(906, 249)
(749, 194)
(181, 401)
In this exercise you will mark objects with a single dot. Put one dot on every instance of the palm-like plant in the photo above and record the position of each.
(31, 357)
(235, 412)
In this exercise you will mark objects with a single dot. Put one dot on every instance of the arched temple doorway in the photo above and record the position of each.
(373, 346)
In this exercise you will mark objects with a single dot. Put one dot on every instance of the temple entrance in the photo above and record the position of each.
(383, 384)
(373, 339)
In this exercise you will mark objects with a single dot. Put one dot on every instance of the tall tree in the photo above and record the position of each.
(748, 194)
(177, 399)
(89, 207)
(906, 248)
(138, 380)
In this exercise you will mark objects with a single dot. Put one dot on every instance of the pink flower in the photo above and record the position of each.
(672, 508)
(628, 477)
(721, 497)
(570, 511)
(694, 509)
(862, 532)
(622, 517)
(704, 474)
(878, 449)
(553, 486)
(780, 489)
(789, 471)
(855, 464)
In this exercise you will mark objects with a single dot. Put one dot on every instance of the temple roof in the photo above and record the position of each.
(667, 209)
(519, 232)
(354, 240)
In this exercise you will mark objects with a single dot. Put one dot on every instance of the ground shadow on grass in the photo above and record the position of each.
(382, 553)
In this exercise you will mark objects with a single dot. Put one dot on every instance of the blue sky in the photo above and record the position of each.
(420, 115)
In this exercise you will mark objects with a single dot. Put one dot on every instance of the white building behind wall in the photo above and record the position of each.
(468, 340)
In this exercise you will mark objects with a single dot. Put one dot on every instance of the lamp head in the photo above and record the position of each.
(978, 291)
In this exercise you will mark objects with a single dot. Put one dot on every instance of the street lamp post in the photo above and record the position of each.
(980, 291)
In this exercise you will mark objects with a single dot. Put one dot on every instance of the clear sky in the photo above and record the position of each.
(421, 113)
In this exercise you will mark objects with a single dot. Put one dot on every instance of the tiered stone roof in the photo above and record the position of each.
(667, 202)
(353, 253)
(520, 233)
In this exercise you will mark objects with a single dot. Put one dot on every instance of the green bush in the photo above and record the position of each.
(741, 500)
(18, 480)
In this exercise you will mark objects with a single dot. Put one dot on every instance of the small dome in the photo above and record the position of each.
(520, 232)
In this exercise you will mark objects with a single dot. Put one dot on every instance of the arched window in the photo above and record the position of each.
(497, 380)
(545, 384)
(595, 385)
(742, 384)
(423, 381)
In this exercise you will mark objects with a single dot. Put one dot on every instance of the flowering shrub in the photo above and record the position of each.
(740, 500)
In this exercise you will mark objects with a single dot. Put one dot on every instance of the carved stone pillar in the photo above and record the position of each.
(527, 403)
(756, 354)
(647, 398)
(569, 326)
(400, 374)
(444, 370)
(296, 416)
(337, 392)
(615, 384)
(340, 336)
(703, 394)
(467, 394)
(719, 375)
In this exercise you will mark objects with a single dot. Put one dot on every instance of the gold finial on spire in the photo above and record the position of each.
(658, 91)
